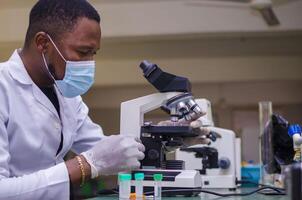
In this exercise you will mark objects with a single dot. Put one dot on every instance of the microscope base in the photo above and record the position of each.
(172, 179)
(218, 181)
(185, 192)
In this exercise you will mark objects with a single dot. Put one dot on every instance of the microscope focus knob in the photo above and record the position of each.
(153, 154)
(224, 163)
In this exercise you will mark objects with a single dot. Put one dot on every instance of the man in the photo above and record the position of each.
(42, 115)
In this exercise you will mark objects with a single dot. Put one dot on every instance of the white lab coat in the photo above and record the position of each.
(30, 130)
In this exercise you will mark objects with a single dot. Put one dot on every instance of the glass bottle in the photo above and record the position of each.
(266, 143)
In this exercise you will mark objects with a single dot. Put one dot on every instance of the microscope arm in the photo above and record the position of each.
(132, 111)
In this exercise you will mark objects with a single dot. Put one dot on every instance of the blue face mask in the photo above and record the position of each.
(78, 78)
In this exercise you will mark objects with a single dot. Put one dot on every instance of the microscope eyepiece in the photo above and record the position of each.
(163, 81)
(147, 67)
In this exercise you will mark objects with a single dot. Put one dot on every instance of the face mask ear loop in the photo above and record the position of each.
(47, 65)
(57, 48)
(47, 69)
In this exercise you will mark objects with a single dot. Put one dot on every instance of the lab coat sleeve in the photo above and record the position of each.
(88, 133)
(51, 183)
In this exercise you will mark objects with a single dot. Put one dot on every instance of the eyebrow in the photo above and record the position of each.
(89, 48)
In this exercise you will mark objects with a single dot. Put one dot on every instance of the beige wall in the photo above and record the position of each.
(133, 18)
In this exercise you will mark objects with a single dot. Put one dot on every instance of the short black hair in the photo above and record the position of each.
(58, 16)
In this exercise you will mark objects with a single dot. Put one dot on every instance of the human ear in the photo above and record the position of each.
(41, 42)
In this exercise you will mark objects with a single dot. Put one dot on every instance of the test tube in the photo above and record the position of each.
(157, 186)
(139, 189)
(124, 186)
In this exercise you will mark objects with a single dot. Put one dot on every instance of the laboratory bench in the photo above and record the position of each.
(251, 197)
(203, 196)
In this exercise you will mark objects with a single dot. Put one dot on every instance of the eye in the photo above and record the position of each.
(81, 52)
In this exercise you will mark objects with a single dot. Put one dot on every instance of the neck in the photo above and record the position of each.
(35, 67)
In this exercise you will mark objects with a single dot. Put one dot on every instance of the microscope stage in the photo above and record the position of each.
(171, 131)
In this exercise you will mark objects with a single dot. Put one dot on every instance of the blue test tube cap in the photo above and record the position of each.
(294, 129)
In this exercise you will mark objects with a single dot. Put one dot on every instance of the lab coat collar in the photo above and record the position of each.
(19, 73)
(18, 70)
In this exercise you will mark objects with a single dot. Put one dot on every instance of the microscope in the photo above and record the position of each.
(176, 100)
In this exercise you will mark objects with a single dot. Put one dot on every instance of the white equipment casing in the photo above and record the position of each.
(228, 147)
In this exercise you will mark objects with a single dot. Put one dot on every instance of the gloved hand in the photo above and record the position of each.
(114, 154)
(197, 124)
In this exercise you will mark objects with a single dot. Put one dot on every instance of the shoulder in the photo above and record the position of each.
(13, 69)
(5, 80)
(5, 77)
(4, 72)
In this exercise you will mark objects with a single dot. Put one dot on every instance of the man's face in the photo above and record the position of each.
(81, 44)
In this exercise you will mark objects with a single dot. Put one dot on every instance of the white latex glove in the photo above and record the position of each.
(114, 154)
(197, 124)
(201, 138)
